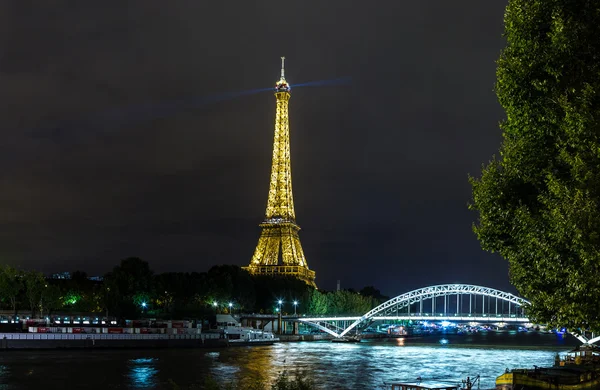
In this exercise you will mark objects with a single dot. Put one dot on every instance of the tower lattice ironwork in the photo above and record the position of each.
(279, 233)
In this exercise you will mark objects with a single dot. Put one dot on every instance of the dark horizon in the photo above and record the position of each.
(146, 131)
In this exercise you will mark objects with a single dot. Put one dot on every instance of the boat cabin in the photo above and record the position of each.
(584, 354)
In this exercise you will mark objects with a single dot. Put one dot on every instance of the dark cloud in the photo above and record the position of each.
(124, 134)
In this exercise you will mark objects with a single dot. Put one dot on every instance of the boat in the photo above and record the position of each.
(423, 386)
(467, 384)
(578, 370)
(346, 339)
(236, 334)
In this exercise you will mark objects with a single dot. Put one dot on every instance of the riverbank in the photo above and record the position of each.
(303, 337)
(323, 336)
(18, 341)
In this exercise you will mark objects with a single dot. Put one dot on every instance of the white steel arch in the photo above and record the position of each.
(431, 292)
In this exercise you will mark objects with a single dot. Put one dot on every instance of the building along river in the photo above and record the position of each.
(364, 365)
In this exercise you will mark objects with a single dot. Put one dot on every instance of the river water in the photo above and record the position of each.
(364, 365)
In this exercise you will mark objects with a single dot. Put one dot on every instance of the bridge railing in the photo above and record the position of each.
(400, 314)
(462, 315)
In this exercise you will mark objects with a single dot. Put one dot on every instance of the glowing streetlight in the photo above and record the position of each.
(215, 304)
(230, 306)
(279, 302)
(295, 304)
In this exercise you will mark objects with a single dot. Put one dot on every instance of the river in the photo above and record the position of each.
(364, 365)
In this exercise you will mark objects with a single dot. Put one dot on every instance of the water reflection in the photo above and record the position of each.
(370, 364)
(143, 372)
(212, 355)
(364, 365)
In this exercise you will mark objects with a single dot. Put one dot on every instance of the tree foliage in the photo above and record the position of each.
(35, 284)
(343, 302)
(132, 290)
(539, 204)
(11, 285)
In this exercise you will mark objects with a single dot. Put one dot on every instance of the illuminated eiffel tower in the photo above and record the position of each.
(279, 229)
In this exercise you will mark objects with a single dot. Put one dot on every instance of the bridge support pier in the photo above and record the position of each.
(279, 323)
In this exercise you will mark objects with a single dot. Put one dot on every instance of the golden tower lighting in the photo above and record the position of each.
(279, 229)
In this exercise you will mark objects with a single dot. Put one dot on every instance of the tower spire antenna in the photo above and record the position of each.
(282, 85)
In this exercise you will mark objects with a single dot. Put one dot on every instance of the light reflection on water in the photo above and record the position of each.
(367, 365)
(142, 373)
(364, 365)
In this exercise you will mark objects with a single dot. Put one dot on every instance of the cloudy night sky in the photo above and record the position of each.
(126, 130)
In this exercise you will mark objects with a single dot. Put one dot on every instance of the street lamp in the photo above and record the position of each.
(144, 304)
(230, 306)
(279, 302)
(295, 304)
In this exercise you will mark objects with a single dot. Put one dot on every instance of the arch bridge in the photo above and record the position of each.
(447, 302)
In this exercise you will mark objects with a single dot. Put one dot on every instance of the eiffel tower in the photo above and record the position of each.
(279, 229)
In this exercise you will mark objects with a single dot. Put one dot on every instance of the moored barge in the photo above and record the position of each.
(578, 370)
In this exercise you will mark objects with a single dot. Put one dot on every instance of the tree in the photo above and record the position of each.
(539, 204)
(231, 283)
(35, 283)
(370, 291)
(132, 278)
(270, 289)
(11, 285)
(51, 299)
(318, 303)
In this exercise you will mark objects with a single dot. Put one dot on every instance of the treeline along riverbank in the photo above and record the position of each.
(132, 290)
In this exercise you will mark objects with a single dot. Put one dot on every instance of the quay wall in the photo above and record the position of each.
(16, 341)
(303, 337)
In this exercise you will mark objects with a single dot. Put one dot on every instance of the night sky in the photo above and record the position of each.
(123, 135)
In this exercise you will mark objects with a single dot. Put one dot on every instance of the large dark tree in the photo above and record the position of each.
(128, 286)
(11, 286)
(539, 204)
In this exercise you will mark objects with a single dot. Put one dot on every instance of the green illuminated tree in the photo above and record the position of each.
(318, 303)
(539, 204)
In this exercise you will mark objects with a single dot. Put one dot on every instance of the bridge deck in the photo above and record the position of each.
(476, 318)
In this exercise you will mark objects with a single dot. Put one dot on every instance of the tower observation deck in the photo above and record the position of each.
(279, 251)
